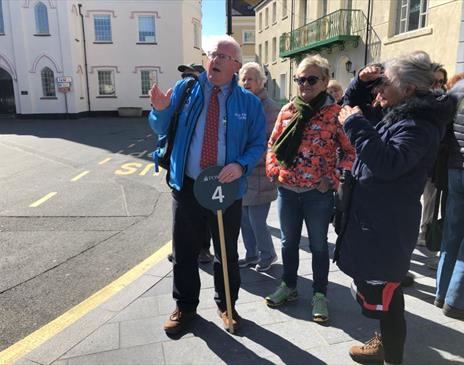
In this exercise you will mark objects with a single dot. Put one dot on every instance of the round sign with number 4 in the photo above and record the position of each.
(211, 194)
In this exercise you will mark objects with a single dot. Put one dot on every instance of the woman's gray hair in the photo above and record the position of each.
(315, 60)
(415, 69)
(260, 76)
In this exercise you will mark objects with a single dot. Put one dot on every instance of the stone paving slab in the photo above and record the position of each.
(131, 332)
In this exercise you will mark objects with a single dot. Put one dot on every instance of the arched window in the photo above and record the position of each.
(41, 18)
(48, 82)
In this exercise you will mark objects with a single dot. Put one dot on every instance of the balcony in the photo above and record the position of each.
(336, 28)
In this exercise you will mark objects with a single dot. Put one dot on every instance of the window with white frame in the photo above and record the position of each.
(48, 82)
(102, 25)
(147, 29)
(260, 21)
(324, 7)
(2, 27)
(266, 17)
(274, 49)
(266, 52)
(196, 35)
(274, 12)
(41, 18)
(411, 15)
(284, 8)
(148, 78)
(248, 37)
(106, 83)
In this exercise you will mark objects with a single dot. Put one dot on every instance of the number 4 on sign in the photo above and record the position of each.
(217, 195)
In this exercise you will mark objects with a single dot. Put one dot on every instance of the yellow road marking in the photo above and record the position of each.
(43, 200)
(105, 161)
(37, 338)
(131, 145)
(82, 174)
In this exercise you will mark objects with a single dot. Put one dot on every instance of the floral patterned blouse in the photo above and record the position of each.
(324, 151)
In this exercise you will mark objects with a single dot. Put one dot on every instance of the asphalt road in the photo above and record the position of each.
(80, 205)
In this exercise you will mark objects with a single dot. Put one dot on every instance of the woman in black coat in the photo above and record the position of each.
(394, 155)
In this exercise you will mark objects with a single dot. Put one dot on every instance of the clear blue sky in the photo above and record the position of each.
(214, 17)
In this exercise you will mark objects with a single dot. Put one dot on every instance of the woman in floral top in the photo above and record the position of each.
(307, 152)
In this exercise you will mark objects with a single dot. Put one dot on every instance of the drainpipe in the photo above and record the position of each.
(229, 17)
(292, 25)
(368, 23)
(85, 57)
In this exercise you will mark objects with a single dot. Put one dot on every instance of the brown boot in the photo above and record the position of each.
(370, 352)
(236, 319)
(177, 321)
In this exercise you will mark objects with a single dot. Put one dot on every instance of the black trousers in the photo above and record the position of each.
(393, 329)
(190, 219)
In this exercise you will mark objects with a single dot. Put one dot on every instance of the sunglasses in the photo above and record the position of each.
(312, 80)
(440, 82)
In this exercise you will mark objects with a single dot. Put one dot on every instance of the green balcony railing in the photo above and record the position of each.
(338, 27)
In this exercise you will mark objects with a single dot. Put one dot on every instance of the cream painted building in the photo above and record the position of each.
(337, 29)
(107, 52)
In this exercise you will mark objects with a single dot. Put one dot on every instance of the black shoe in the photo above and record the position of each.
(205, 256)
(438, 302)
(453, 312)
(170, 257)
(408, 280)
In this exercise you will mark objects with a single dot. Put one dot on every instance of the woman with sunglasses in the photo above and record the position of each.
(302, 158)
(393, 156)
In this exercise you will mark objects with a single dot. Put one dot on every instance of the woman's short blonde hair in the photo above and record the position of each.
(260, 76)
(334, 83)
(315, 60)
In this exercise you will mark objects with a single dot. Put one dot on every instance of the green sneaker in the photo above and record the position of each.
(320, 310)
(282, 295)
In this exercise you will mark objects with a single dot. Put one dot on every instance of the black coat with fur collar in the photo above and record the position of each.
(393, 159)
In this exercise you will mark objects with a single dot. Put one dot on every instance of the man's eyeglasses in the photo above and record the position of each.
(220, 57)
(312, 80)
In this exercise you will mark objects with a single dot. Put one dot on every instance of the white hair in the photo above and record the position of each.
(260, 76)
(213, 42)
(315, 60)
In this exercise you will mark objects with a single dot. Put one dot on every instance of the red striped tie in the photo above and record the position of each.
(210, 138)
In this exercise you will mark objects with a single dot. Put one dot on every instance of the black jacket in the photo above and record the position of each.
(455, 137)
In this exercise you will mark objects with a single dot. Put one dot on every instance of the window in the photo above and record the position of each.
(260, 53)
(196, 35)
(261, 21)
(2, 28)
(284, 8)
(274, 49)
(102, 25)
(48, 82)
(248, 37)
(106, 83)
(411, 14)
(266, 17)
(41, 19)
(324, 8)
(147, 29)
(274, 12)
(266, 52)
(147, 80)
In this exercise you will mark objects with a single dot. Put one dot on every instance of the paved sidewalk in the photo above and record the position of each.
(128, 328)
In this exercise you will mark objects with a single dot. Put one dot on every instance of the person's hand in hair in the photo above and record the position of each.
(159, 100)
(371, 73)
(348, 111)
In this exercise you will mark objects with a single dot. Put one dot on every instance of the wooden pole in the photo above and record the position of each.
(225, 270)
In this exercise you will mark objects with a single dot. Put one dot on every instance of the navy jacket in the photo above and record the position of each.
(393, 159)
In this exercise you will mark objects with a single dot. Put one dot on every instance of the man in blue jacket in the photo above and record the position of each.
(219, 124)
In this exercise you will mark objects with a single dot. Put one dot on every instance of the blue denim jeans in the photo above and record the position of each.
(450, 274)
(315, 209)
(255, 233)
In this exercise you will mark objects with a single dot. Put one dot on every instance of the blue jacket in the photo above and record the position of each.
(245, 130)
(393, 158)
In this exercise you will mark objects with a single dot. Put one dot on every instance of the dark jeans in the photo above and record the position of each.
(315, 209)
(393, 329)
(189, 220)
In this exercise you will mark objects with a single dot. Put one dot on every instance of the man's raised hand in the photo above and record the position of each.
(159, 100)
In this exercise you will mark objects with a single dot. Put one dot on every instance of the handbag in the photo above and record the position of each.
(434, 229)
(162, 154)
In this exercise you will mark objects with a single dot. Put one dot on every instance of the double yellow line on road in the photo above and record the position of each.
(37, 338)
